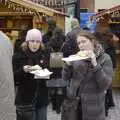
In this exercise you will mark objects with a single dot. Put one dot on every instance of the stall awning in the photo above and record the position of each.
(112, 10)
(35, 7)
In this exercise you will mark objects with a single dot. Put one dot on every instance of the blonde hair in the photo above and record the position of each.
(24, 45)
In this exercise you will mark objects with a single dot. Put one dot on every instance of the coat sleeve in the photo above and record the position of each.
(18, 70)
(67, 72)
(104, 73)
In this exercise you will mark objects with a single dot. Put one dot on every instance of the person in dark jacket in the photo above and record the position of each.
(108, 39)
(20, 40)
(70, 46)
(32, 94)
(56, 91)
(88, 80)
(51, 26)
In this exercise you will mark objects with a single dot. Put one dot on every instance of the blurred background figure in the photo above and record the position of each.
(108, 41)
(20, 40)
(53, 41)
(70, 46)
(51, 26)
(56, 90)
(7, 92)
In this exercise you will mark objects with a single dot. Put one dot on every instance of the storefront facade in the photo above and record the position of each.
(17, 15)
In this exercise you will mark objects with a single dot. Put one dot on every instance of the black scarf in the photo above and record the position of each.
(98, 50)
(33, 57)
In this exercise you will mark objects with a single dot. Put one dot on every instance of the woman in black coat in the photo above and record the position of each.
(108, 39)
(32, 94)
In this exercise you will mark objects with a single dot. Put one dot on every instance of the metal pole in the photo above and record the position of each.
(78, 9)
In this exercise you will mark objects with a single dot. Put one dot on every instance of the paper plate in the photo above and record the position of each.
(74, 58)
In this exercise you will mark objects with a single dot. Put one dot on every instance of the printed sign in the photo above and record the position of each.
(86, 23)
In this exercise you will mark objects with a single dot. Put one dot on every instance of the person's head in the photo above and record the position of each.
(34, 40)
(57, 33)
(85, 41)
(51, 25)
(74, 23)
(106, 38)
(57, 38)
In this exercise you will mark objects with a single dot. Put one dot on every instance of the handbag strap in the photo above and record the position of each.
(61, 47)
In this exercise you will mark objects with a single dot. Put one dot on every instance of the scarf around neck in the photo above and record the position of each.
(98, 50)
(33, 58)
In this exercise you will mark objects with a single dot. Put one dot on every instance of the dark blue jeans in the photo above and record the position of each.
(32, 114)
(41, 114)
(25, 114)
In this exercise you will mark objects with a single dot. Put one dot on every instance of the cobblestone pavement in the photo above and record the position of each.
(52, 114)
(114, 113)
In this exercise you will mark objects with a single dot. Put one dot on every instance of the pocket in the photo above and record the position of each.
(70, 104)
(70, 110)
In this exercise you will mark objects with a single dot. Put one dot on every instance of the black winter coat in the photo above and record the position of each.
(55, 45)
(30, 91)
(70, 45)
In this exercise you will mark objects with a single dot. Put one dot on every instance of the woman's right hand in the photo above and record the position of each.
(26, 68)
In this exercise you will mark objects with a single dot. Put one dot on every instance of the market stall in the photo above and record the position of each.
(18, 15)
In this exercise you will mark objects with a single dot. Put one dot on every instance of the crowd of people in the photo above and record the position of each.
(79, 90)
